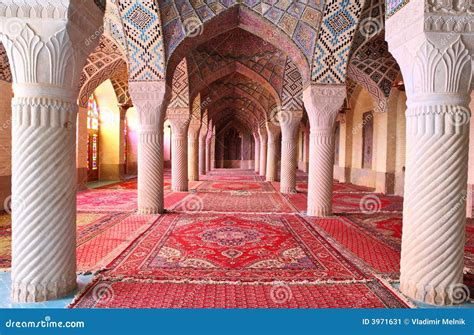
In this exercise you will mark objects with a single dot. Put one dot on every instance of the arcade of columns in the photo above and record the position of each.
(432, 44)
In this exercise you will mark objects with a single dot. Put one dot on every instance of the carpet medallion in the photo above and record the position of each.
(232, 248)
(130, 294)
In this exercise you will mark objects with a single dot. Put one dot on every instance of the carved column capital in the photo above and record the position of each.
(47, 58)
(323, 103)
(151, 99)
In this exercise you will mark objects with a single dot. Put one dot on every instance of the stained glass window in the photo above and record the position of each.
(92, 114)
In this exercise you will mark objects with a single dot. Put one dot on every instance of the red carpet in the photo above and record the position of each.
(107, 200)
(378, 256)
(248, 202)
(94, 251)
(109, 294)
(353, 203)
(232, 248)
(211, 186)
(231, 178)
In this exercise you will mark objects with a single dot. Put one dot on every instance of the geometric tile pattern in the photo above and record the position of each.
(292, 92)
(260, 57)
(113, 27)
(5, 71)
(339, 23)
(394, 6)
(298, 19)
(107, 61)
(372, 21)
(120, 85)
(377, 63)
(142, 26)
(180, 95)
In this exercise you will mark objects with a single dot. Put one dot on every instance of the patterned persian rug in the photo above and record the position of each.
(367, 203)
(98, 248)
(130, 294)
(231, 178)
(375, 241)
(235, 248)
(338, 188)
(210, 186)
(242, 201)
(107, 200)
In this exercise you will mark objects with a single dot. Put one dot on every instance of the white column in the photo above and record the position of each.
(257, 151)
(193, 150)
(209, 147)
(150, 100)
(179, 120)
(262, 133)
(436, 62)
(289, 123)
(46, 59)
(273, 130)
(322, 102)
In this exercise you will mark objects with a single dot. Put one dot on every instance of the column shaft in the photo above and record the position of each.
(289, 122)
(257, 152)
(150, 100)
(273, 154)
(179, 120)
(193, 153)
(322, 103)
(263, 151)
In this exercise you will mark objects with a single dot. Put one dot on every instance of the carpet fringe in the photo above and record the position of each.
(235, 282)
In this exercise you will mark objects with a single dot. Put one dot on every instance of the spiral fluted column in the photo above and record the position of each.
(273, 154)
(289, 122)
(209, 147)
(46, 64)
(150, 100)
(179, 121)
(257, 151)
(437, 70)
(262, 133)
(322, 102)
(193, 151)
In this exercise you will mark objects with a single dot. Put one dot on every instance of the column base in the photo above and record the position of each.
(441, 296)
(179, 188)
(150, 211)
(193, 178)
(321, 212)
(271, 178)
(37, 292)
(287, 190)
(385, 182)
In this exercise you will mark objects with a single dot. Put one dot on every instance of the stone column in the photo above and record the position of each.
(179, 120)
(273, 130)
(213, 148)
(209, 146)
(306, 150)
(193, 149)
(434, 50)
(46, 57)
(322, 102)
(289, 123)
(262, 133)
(122, 143)
(256, 138)
(151, 100)
(202, 148)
